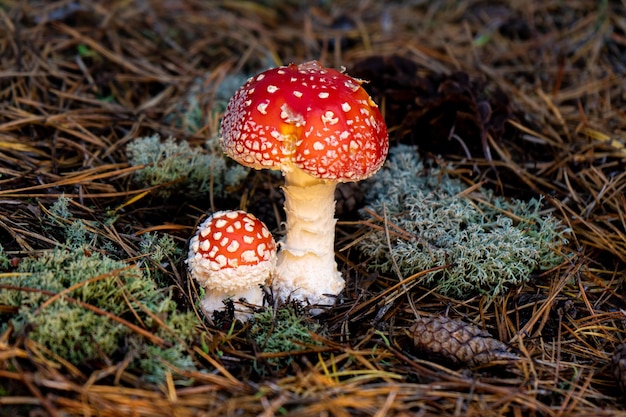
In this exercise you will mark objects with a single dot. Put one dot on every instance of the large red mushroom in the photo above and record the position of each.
(319, 127)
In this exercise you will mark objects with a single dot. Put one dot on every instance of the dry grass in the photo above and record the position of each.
(79, 80)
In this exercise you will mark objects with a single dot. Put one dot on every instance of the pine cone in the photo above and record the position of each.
(457, 341)
(619, 365)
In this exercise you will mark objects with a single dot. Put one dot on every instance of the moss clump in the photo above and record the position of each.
(285, 329)
(76, 232)
(80, 325)
(4, 259)
(159, 251)
(178, 167)
(486, 251)
(71, 330)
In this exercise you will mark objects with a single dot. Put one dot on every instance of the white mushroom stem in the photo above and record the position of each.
(214, 300)
(306, 269)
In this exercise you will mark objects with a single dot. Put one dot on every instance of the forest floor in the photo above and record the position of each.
(98, 317)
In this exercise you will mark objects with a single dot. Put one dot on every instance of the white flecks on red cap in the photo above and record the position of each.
(316, 119)
(231, 251)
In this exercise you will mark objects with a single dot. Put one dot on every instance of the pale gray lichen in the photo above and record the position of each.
(180, 168)
(485, 250)
(77, 232)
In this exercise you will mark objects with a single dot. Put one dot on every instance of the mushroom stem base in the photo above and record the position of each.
(214, 301)
(306, 269)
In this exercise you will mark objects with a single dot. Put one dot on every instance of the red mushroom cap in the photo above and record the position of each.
(306, 116)
(232, 251)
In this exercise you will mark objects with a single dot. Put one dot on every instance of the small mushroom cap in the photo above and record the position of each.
(308, 117)
(231, 251)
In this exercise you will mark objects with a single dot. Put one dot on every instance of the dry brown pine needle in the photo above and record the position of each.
(457, 341)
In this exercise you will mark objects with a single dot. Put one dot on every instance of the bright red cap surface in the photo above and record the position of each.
(231, 251)
(306, 116)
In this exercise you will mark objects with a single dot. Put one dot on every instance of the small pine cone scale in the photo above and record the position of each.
(457, 341)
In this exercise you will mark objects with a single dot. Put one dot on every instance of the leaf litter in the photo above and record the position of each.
(525, 101)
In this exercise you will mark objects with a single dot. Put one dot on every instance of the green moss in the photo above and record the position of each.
(285, 329)
(486, 251)
(4, 259)
(76, 232)
(158, 247)
(80, 335)
(178, 167)
(80, 325)
(159, 251)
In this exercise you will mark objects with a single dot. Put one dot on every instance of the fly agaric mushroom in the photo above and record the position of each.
(320, 127)
(231, 256)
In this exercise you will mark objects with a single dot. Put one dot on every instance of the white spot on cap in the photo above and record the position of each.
(260, 77)
(297, 94)
(221, 260)
(329, 117)
(272, 89)
(262, 107)
(219, 223)
(290, 116)
(249, 256)
(323, 94)
(248, 239)
(346, 107)
(234, 245)
(352, 86)
(318, 146)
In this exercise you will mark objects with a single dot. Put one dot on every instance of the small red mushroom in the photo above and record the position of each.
(319, 127)
(231, 256)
